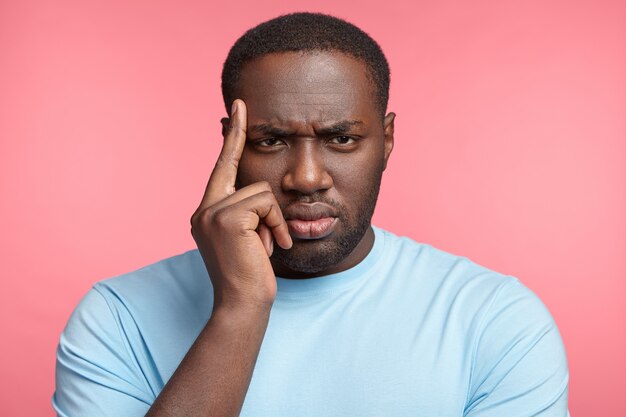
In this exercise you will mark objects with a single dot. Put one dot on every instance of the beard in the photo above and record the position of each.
(316, 255)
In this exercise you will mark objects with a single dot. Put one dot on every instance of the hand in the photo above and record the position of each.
(235, 229)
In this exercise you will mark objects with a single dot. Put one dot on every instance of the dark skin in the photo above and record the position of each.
(306, 130)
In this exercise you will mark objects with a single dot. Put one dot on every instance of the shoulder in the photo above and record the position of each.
(517, 357)
(141, 294)
(174, 293)
(182, 269)
(476, 295)
(132, 328)
(438, 271)
(181, 278)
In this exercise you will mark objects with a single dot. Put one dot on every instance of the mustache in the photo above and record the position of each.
(313, 198)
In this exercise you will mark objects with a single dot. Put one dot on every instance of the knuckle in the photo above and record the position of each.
(235, 128)
(196, 217)
(196, 225)
(221, 219)
(203, 217)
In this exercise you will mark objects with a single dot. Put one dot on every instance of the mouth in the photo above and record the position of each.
(310, 221)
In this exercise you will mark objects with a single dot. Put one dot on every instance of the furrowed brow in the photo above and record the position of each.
(269, 130)
(339, 127)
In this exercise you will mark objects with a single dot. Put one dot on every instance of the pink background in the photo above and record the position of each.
(510, 149)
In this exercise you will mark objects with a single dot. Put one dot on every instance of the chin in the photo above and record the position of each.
(316, 256)
(308, 257)
(305, 262)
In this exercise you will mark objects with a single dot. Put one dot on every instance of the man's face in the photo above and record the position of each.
(316, 135)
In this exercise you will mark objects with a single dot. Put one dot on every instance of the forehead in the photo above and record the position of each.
(306, 87)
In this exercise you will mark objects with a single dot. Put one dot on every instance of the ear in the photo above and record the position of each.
(388, 131)
(225, 124)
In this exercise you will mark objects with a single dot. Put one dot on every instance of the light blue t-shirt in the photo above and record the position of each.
(409, 331)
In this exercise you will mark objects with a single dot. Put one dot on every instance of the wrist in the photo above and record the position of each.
(244, 302)
(240, 311)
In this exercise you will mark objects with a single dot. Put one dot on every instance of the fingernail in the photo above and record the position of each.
(233, 109)
(271, 247)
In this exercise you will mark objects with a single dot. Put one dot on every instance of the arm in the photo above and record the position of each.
(96, 373)
(213, 378)
(98, 376)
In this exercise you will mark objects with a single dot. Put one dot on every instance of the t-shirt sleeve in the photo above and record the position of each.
(95, 373)
(520, 368)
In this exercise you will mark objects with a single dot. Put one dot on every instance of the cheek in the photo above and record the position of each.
(356, 170)
(254, 168)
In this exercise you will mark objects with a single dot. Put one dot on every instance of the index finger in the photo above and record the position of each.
(222, 181)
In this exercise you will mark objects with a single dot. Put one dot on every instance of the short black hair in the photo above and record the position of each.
(302, 32)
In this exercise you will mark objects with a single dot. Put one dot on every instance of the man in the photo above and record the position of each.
(307, 310)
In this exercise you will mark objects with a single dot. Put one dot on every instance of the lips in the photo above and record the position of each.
(310, 221)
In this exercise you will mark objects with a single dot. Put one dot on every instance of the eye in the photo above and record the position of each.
(342, 140)
(269, 143)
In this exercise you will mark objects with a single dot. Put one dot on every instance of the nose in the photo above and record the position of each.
(306, 172)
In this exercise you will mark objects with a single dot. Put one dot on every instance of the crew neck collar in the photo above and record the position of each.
(303, 287)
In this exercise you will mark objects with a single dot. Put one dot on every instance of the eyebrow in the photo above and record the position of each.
(338, 128)
(270, 130)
